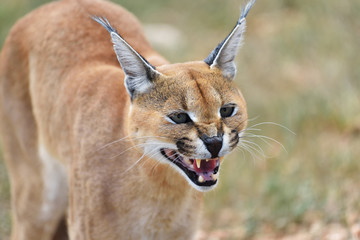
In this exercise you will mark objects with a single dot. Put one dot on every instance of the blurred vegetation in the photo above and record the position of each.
(299, 67)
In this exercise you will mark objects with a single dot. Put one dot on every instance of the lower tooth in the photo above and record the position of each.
(201, 179)
(187, 161)
(214, 176)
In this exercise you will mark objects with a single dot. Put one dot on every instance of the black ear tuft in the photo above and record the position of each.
(139, 73)
(210, 59)
(224, 54)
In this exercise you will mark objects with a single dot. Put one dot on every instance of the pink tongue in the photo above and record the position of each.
(205, 166)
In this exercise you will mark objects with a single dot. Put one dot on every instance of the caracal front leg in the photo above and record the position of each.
(37, 207)
(95, 201)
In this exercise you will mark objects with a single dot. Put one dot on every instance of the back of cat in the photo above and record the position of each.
(118, 150)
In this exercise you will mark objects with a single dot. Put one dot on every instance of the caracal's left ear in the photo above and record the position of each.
(224, 54)
(139, 73)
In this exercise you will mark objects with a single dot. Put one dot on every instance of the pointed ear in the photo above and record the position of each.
(224, 54)
(139, 73)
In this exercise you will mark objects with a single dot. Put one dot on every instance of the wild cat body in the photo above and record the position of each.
(120, 152)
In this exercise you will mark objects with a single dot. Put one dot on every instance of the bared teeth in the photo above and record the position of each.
(198, 162)
(221, 159)
(201, 179)
(206, 160)
(214, 176)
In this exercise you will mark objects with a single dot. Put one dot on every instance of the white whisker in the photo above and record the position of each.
(262, 137)
(250, 129)
(137, 161)
(134, 164)
(256, 147)
(134, 146)
(244, 146)
(155, 152)
(155, 166)
(272, 123)
(131, 139)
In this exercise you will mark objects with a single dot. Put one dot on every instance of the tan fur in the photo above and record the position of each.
(62, 91)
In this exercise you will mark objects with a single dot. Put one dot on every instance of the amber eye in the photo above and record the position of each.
(227, 111)
(179, 118)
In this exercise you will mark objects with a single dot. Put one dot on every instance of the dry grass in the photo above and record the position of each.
(299, 68)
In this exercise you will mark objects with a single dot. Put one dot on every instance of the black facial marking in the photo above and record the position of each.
(185, 139)
(236, 137)
(184, 150)
(183, 145)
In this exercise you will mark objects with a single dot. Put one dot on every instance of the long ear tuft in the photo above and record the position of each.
(224, 54)
(139, 73)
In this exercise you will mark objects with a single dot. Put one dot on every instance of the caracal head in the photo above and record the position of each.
(188, 115)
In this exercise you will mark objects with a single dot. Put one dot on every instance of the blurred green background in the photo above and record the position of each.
(300, 68)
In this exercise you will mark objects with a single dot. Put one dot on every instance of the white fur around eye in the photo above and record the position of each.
(169, 120)
(192, 116)
(235, 111)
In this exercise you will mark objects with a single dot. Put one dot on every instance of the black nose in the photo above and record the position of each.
(213, 144)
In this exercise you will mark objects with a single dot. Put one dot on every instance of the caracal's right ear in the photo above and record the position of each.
(139, 73)
(224, 54)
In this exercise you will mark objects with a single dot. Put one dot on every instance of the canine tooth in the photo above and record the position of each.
(214, 176)
(207, 160)
(221, 159)
(201, 179)
(198, 162)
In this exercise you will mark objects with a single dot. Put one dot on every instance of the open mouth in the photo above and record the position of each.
(202, 172)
